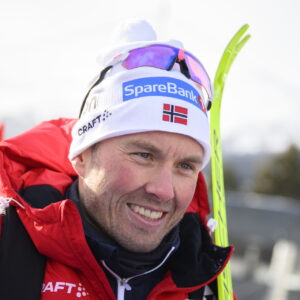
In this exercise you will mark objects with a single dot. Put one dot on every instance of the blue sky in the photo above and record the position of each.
(49, 48)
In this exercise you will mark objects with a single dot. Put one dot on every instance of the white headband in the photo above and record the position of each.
(140, 100)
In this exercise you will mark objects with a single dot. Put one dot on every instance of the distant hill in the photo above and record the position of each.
(246, 166)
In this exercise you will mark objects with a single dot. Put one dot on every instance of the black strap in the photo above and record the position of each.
(197, 295)
(101, 77)
(21, 265)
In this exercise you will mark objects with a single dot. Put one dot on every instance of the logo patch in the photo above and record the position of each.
(73, 289)
(175, 114)
(162, 87)
(91, 124)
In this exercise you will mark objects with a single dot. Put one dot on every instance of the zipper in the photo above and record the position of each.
(4, 204)
(122, 286)
(123, 282)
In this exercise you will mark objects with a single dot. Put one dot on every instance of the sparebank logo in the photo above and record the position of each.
(163, 87)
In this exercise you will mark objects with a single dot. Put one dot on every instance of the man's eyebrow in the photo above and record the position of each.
(144, 145)
(194, 159)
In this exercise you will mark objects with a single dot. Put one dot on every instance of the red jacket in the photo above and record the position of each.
(39, 157)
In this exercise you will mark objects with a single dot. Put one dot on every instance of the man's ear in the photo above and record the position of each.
(80, 162)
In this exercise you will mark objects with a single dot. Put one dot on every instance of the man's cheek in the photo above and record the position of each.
(186, 197)
(127, 179)
(188, 202)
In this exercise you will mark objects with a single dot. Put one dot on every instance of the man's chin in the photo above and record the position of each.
(139, 246)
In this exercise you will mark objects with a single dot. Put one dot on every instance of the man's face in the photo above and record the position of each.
(137, 187)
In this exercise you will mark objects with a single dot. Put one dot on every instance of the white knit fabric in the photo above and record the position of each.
(140, 100)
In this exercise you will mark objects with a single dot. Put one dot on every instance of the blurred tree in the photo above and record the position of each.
(231, 180)
(280, 175)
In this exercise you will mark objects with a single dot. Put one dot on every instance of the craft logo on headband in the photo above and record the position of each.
(163, 87)
(94, 122)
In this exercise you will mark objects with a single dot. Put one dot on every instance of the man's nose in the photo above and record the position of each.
(161, 184)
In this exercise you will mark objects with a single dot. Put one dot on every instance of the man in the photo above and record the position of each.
(125, 216)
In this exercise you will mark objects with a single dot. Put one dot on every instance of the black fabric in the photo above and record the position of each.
(39, 196)
(21, 265)
(197, 295)
(214, 287)
(197, 260)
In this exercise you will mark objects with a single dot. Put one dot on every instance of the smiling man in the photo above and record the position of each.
(137, 187)
(113, 205)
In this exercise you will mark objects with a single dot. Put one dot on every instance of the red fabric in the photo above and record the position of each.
(37, 157)
(200, 203)
(69, 257)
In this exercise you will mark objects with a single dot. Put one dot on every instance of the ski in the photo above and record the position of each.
(225, 291)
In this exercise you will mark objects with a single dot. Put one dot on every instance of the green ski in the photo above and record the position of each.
(218, 195)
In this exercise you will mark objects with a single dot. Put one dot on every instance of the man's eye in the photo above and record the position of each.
(186, 166)
(143, 154)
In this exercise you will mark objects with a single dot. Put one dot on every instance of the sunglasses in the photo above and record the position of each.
(164, 57)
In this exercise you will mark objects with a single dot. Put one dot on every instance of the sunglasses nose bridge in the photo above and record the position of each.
(180, 55)
(180, 59)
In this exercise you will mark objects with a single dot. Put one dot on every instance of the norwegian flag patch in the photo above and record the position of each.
(175, 114)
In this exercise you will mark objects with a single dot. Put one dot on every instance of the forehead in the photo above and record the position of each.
(160, 141)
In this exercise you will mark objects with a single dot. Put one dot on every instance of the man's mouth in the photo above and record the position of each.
(146, 213)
